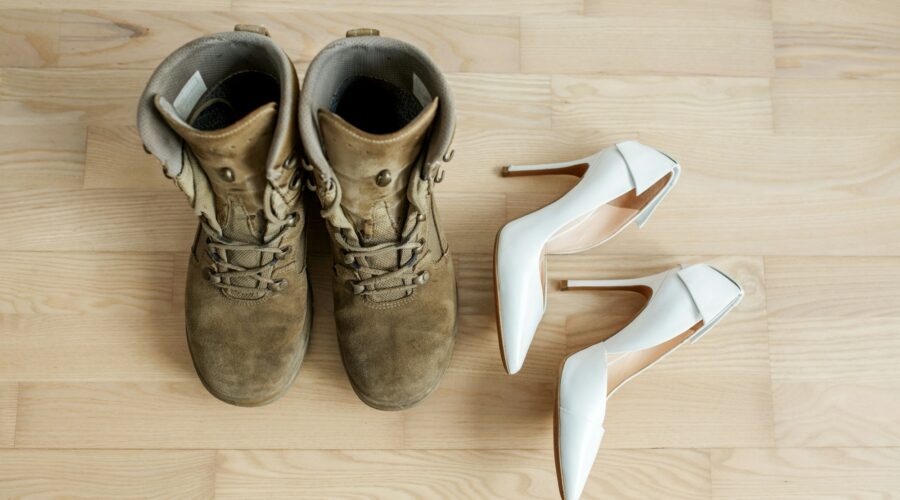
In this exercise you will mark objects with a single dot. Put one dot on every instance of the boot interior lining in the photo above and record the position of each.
(233, 98)
(374, 105)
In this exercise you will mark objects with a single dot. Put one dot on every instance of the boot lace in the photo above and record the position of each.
(357, 258)
(224, 273)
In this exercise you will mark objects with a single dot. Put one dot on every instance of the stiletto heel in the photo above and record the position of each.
(576, 168)
(682, 305)
(618, 186)
(645, 285)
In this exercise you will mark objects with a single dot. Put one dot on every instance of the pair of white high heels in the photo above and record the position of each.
(618, 186)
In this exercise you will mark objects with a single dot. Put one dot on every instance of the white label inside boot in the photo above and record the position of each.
(189, 95)
(420, 91)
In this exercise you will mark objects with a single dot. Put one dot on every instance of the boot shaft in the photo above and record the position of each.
(376, 119)
(220, 115)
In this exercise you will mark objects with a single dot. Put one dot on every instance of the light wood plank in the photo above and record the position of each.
(741, 10)
(121, 4)
(320, 411)
(831, 391)
(143, 38)
(803, 473)
(107, 474)
(115, 158)
(498, 7)
(54, 283)
(837, 106)
(29, 38)
(670, 102)
(70, 95)
(97, 220)
(9, 392)
(646, 45)
(57, 161)
(836, 12)
(456, 474)
(488, 101)
(810, 49)
(64, 347)
(833, 325)
(837, 38)
(833, 287)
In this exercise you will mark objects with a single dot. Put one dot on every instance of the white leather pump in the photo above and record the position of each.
(683, 304)
(619, 185)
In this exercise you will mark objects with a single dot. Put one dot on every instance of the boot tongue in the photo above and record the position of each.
(373, 171)
(234, 159)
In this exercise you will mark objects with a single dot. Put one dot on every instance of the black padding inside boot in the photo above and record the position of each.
(234, 98)
(374, 105)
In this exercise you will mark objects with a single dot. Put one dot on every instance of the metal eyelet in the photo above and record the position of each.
(290, 162)
(295, 181)
(422, 278)
(226, 174)
(383, 179)
(357, 288)
(292, 219)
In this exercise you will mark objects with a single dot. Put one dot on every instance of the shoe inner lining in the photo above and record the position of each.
(374, 105)
(233, 98)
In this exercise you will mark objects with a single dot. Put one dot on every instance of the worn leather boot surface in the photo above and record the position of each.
(377, 120)
(220, 114)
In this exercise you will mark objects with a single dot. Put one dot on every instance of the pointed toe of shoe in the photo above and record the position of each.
(516, 333)
(578, 442)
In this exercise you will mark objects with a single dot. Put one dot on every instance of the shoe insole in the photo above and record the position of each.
(375, 106)
(596, 227)
(233, 98)
(624, 366)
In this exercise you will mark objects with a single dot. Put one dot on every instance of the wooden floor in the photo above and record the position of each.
(785, 115)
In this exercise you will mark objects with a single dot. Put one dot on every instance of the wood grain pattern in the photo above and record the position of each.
(455, 474)
(805, 473)
(661, 102)
(9, 394)
(617, 45)
(28, 38)
(58, 163)
(106, 474)
(836, 105)
(740, 10)
(784, 114)
(141, 39)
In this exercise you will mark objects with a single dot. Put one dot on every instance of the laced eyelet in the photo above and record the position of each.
(212, 276)
(296, 181)
(285, 251)
(278, 285)
(349, 259)
(291, 161)
(292, 219)
(357, 288)
(422, 278)
(421, 217)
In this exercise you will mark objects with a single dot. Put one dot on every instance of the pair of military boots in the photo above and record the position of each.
(368, 133)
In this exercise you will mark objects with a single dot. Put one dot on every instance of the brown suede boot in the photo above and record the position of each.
(376, 118)
(220, 114)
